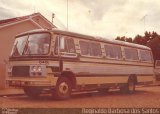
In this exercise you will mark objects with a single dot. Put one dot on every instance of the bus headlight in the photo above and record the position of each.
(36, 70)
(39, 69)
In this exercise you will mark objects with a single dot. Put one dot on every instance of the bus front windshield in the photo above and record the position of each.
(32, 44)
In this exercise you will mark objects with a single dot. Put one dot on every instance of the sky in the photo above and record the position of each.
(105, 18)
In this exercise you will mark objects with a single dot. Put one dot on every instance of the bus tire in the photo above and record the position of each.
(32, 92)
(63, 89)
(129, 87)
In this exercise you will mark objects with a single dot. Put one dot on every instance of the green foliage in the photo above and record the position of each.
(138, 39)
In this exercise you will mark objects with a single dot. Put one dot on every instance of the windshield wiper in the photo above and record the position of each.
(26, 50)
(15, 50)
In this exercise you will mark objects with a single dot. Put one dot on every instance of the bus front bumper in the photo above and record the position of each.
(27, 83)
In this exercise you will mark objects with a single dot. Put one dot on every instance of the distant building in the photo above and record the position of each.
(11, 27)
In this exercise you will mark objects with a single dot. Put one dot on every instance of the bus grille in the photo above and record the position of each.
(20, 71)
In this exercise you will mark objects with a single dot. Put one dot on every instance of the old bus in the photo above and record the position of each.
(62, 62)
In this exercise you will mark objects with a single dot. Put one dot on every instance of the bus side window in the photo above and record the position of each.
(131, 54)
(65, 45)
(95, 49)
(68, 45)
(84, 46)
(113, 51)
(145, 55)
(90, 48)
(109, 51)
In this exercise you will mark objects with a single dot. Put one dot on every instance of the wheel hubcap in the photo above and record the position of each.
(63, 88)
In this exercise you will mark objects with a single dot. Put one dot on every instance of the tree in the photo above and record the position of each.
(137, 39)
(154, 35)
(154, 44)
(118, 38)
(148, 35)
(123, 38)
(129, 40)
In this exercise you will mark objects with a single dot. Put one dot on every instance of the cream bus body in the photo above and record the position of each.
(75, 62)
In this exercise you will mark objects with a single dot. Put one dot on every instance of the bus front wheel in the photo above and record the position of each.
(63, 89)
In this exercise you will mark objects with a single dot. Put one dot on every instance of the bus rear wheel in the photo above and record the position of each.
(129, 87)
(63, 89)
(32, 92)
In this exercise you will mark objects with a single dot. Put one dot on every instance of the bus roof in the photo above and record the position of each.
(88, 37)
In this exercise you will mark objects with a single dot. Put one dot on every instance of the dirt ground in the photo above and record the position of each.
(144, 97)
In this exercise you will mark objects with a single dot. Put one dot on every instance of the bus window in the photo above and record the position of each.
(85, 49)
(95, 49)
(90, 48)
(131, 54)
(67, 45)
(32, 44)
(70, 45)
(145, 55)
(113, 51)
(19, 46)
(38, 44)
